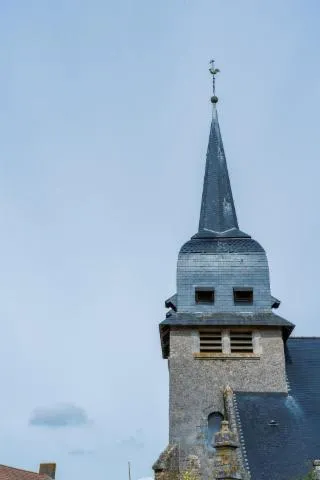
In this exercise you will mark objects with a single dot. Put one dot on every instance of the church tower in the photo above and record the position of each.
(220, 334)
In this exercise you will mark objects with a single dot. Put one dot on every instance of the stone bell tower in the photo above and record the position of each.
(220, 334)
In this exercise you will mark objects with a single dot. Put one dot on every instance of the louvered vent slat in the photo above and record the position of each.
(210, 341)
(241, 342)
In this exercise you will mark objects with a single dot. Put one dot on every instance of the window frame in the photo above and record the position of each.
(244, 301)
(216, 340)
(211, 432)
(202, 289)
(241, 345)
(253, 351)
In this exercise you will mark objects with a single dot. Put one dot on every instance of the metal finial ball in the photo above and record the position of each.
(214, 99)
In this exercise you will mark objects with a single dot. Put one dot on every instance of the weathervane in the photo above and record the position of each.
(213, 71)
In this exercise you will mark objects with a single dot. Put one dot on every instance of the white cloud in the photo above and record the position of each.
(63, 415)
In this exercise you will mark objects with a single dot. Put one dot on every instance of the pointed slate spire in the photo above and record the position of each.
(218, 216)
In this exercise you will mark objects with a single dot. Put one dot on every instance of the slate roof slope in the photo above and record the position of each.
(10, 473)
(221, 245)
(225, 318)
(218, 214)
(214, 215)
(284, 450)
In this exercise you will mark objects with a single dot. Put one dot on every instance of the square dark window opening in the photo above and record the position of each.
(243, 296)
(204, 295)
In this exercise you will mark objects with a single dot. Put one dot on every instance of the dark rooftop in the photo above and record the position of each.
(222, 318)
(218, 214)
(221, 245)
(281, 432)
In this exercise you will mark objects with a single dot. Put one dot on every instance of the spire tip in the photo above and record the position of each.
(213, 71)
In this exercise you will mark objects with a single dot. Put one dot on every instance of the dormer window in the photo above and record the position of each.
(243, 296)
(204, 295)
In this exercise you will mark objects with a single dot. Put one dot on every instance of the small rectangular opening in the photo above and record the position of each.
(241, 342)
(204, 295)
(210, 341)
(243, 295)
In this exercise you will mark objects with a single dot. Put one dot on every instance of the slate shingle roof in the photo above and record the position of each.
(10, 473)
(218, 214)
(286, 449)
(221, 245)
(254, 319)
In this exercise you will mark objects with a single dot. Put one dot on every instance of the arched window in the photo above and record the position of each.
(214, 425)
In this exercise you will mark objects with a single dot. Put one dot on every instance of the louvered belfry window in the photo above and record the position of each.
(241, 342)
(210, 341)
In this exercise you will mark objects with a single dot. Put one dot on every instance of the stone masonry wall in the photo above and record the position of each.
(196, 386)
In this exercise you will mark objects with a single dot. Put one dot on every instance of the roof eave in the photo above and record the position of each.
(166, 325)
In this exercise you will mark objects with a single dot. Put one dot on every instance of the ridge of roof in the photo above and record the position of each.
(301, 337)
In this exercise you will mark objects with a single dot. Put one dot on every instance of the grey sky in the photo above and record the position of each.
(104, 118)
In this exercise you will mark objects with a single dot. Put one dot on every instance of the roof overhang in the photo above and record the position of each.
(223, 320)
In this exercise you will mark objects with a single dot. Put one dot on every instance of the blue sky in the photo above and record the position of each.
(104, 122)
